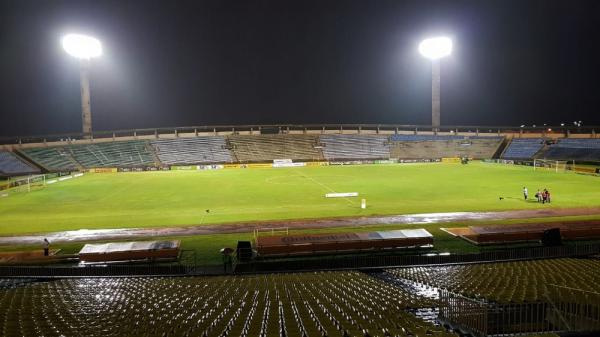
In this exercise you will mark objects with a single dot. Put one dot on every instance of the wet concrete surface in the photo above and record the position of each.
(245, 227)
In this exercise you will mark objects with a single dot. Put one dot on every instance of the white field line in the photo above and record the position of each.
(324, 186)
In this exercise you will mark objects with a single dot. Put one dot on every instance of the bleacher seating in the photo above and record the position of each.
(421, 138)
(508, 282)
(432, 147)
(113, 154)
(52, 158)
(523, 148)
(249, 148)
(10, 164)
(333, 304)
(578, 149)
(579, 143)
(197, 150)
(566, 153)
(355, 147)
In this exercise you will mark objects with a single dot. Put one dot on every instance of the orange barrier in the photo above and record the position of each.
(336, 242)
(569, 230)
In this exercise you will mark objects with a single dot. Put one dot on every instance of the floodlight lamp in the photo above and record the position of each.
(436, 48)
(81, 46)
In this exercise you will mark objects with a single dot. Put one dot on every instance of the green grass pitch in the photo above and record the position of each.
(167, 198)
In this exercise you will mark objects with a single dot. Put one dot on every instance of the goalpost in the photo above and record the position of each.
(550, 165)
(26, 184)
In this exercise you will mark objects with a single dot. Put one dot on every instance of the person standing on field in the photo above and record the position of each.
(525, 193)
(46, 246)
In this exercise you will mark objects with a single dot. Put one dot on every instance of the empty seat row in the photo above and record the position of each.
(10, 164)
(269, 147)
(355, 147)
(523, 148)
(195, 150)
(293, 305)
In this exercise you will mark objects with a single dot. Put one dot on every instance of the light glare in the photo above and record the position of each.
(436, 48)
(81, 46)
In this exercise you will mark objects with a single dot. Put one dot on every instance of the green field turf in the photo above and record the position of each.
(181, 197)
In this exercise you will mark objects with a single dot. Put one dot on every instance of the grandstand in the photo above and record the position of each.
(578, 149)
(508, 282)
(265, 148)
(11, 164)
(523, 148)
(428, 147)
(332, 304)
(225, 145)
(52, 158)
(195, 150)
(340, 147)
(113, 154)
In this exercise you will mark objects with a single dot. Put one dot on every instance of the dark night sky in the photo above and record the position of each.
(178, 63)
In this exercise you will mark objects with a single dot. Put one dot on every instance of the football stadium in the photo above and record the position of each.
(298, 230)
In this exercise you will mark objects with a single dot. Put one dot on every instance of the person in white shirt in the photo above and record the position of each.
(525, 193)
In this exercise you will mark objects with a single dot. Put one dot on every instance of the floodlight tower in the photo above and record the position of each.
(84, 48)
(435, 49)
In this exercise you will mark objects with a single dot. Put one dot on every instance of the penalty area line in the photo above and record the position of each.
(323, 185)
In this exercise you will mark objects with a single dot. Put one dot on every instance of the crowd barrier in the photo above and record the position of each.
(385, 261)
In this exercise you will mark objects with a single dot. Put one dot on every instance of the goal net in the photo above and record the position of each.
(550, 165)
(26, 184)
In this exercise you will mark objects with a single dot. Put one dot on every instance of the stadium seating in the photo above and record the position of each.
(509, 281)
(333, 304)
(113, 154)
(248, 148)
(10, 164)
(579, 143)
(577, 154)
(422, 138)
(574, 149)
(355, 147)
(52, 158)
(197, 150)
(432, 147)
(523, 148)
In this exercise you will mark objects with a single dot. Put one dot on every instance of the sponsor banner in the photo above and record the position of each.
(408, 161)
(341, 195)
(288, 164)
(184, 168)
(523, 162)
(450, 160)
(232, 166)
(317, 163)
(142, 169)
(388, 161)
(281, 161)
(259, 165)
(351, 162)
(103, 170)
(210, 167)
(65, 178)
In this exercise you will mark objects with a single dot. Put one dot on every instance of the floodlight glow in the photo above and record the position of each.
(81, 46)
(436, 48)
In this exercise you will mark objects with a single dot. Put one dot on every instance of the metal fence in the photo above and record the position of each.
(300, 264)
(563, 310)
(574, 309)
(382, 261)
